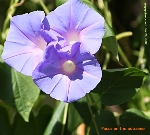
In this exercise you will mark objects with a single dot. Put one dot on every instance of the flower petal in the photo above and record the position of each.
(36, 18)
(90, 24)
(75, 92)
(82, 55)
(49, 78)
(91, 36)
(46, 81)
(68, 51)
(24, 46)
(60, 92)
(88, 75)
(88, 63)
(60, 22)
(25, 60)
(78, 20)
(47, 74)
(79, 88)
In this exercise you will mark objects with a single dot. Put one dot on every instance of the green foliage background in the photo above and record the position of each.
(120, 100)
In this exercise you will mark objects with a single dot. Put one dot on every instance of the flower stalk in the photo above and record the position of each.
(64, 118)
(96, 128)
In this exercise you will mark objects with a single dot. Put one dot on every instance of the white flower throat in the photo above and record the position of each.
(73, 37)
(68, 66)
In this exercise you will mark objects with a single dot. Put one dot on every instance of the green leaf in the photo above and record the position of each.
(94, 97)
(43, 118)
(25, 93)
(133, 118)
(109, 40)
(1, 50)
(35, 126)
(117, 87)
(78, 112)
(17, 90)
(6, 90)
(60, 2)
(74, 119)
(104, 119)
(81, 107)
(5, 128)
(91, 5)
(20, 127)
(55, 125)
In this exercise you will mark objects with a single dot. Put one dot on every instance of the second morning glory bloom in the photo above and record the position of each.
(76, 22)
(57, 50)
(67, 76)
(24, 45)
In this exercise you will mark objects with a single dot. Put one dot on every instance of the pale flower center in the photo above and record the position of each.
(68, 66)
(73, 37)
(41, 43)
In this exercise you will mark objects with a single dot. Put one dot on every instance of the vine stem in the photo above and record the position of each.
(10, 12)
(64, 118)
(120, 36)
(92, 115)
(92, 1)
(101, 4)
(44, 7)
(123, 34)
(106, 61)
(141, 61)
(95, 103)
(124, 57)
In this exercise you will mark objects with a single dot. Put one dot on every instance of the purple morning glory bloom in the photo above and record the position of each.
(24, 45)
(67, 76)
(76, 22)
(57, 50)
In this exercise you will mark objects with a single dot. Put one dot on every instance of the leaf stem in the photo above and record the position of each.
(120, 36)
(123, 34)
(141, 61)
(64, 118)
(124, 57)
(106, 61)
(141, 99)
(93, 101)
(44, 7)
(92, 115)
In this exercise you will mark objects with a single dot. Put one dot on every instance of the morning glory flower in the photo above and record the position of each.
(24, 44)
(57, 50)
(76, 22)
(67, 76)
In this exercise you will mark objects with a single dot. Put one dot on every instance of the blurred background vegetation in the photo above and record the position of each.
(126, 15)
